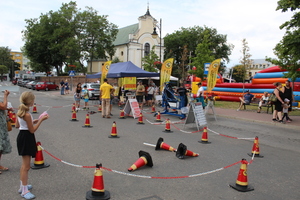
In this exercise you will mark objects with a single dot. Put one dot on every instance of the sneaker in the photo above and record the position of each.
(274, 120)
(282, 122)
(103, 116)
(111, 114)
(288, 121)
(237, 109)
(28, 195)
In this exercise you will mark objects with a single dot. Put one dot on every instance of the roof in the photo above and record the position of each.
(123, 34)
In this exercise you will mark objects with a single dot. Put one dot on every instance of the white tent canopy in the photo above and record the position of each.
(172, 78)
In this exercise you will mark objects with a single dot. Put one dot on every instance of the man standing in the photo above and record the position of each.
(246, 100)
(105, 91)
(140, 90)
(62, 87)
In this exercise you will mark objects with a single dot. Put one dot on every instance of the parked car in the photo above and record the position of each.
(31, 85)
(24, 82)
(46, 85)
(14, 82)
(93, 90)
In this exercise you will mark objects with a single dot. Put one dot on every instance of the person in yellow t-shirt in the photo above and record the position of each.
(105, 91)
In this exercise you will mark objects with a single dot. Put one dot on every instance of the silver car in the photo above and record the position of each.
(93, 90)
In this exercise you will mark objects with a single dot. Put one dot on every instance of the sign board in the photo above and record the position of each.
(132, 105)
(72, 73)
(206, 67)
(196, 115)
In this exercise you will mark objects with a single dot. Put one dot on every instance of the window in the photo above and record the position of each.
(122, 53)
(147, 49)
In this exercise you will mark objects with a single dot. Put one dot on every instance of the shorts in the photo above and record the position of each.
(247, 102)
(86, 100)
(140, 99)
(149, 97)
(26, 144)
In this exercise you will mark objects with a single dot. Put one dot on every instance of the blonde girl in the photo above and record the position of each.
(26, 142)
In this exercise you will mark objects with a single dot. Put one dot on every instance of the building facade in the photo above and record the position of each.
(258, 65)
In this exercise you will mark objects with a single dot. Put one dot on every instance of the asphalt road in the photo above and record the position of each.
(275, 176)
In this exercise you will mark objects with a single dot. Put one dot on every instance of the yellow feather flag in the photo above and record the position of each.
(105, 68)
(212, 74)
(165, 72)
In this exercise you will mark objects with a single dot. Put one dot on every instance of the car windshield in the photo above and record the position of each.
(96, 86)
(40, 83)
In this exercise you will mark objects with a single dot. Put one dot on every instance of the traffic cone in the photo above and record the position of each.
(161, 145)
(153, 109)
(241, 183)
(141, 119)
(204, 139)
(13, 119)
(74, 116)
(114, 131)
(34, 109)
(122, 114)
(39, 159)
(100, 108)
(98, 192)
(73, 107)
(145, 159)
(255, 149)
(168, 127)
(158, 117)
(87, 121)
(182, 151)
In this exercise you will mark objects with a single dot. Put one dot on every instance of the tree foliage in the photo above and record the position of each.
(149, 61)
(288, 49)
(238, 73)
(245, 59)
(187, 39)
(68, 36)
(6, 60)
(3, 70)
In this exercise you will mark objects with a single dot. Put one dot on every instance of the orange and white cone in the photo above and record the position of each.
(39, 158)
(241, 183)
(158, 117)
(13, 119)
(255, 149)
(87, 121)
(100, 108)
(161, 145)
(114, 131)
(122, 114)
(140, 120)
(98, 191)
(34, 109)
(168, 127)
(183, 151)
(74, 116)
(153, 109)
(145, 159)
(204, 139)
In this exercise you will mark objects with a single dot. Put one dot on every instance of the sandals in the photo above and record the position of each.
(28, 195)
(29, 187)
(3, 168)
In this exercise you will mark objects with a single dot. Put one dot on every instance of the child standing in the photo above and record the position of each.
(26, 142)
(285, 110)
(85, 95)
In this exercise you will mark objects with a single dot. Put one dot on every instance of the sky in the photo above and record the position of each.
(257, 21)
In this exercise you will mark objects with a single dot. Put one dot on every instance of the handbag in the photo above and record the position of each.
(273, 97)
(9, 126)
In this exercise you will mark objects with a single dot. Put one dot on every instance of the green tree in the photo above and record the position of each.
(193, 36)
(149, 61)
(3, 70)
(245, 60)
(6, 60)
(287, 50)
(238, 73)
(203, 55)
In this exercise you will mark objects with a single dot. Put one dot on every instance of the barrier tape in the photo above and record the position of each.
(143, 176)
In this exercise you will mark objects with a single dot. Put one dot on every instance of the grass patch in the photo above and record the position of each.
(235, 105)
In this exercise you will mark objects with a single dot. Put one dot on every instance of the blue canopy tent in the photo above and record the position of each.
(97, 75)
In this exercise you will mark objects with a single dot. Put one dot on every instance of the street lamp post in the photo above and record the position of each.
(155, 35)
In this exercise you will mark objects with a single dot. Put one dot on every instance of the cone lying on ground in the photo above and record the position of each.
(87, 121)
(100, 108)
(98, 191)
(204, 139)
(161, 145)
(168, 127)
(122, 114)
(158, 119)
(140, 120)
(145, 159)
(74, 116)
(255, 149)
(34, 109)
(241, 183)
(114, 131)
(182, 151)
(153, 109)
(39, 158)
(13, 119)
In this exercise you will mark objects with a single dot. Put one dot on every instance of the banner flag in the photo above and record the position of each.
(212, 74)
(105, 68)
(129, 83)
(165, 72)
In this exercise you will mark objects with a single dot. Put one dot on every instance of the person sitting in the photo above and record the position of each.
(246, 100)
(263, 101)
